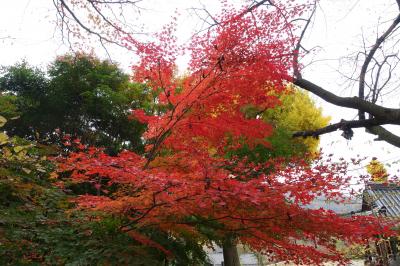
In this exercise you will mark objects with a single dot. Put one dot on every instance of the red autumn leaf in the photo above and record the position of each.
(243, 61)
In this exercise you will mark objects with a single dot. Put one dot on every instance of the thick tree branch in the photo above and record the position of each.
(385, 135)
(380, 112)
(342, 125)
(382, 115)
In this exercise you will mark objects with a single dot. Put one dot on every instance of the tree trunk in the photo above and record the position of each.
(231, 256)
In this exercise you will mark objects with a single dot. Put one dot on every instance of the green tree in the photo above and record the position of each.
(79, 95)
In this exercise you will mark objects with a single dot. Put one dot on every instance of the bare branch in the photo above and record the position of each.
(369, 57)
(298, 45)
(258, 4)
(104, 17)
(77, 20)
(103, 20)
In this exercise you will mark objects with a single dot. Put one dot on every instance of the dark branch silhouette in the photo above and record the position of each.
(380, 71)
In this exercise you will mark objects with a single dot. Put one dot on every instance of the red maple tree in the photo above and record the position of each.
(186, 177)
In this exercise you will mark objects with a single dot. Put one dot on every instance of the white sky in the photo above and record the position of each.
(336, 30)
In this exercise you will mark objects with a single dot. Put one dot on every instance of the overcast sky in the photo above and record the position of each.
(337, 29)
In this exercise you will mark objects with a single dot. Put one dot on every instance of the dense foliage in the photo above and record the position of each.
(188, 183)
(78, 95)
(214, 163)
(297, 112)
(39, 226)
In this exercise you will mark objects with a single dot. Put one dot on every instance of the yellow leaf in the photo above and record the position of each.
(298, 112)
(26, 170)
(377, 171)
(2, 121)
(18, 148)
(3, 138)
(21, 156)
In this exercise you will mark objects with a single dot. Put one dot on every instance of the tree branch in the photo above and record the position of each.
(356, 103)
(385, 135)
(342, 125)
(83, 26)
(369, 57)
(296, 69)
(256, 5)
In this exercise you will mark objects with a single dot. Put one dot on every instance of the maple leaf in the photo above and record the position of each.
(244, 61)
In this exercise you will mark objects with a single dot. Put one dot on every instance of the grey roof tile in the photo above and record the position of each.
(381, 198)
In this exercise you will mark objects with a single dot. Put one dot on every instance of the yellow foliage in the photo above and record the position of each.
(3, 138)
(2, 121)
(298, 112)
(377, 171)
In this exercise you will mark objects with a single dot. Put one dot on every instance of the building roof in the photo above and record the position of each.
(341, 207)
(382, 199)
